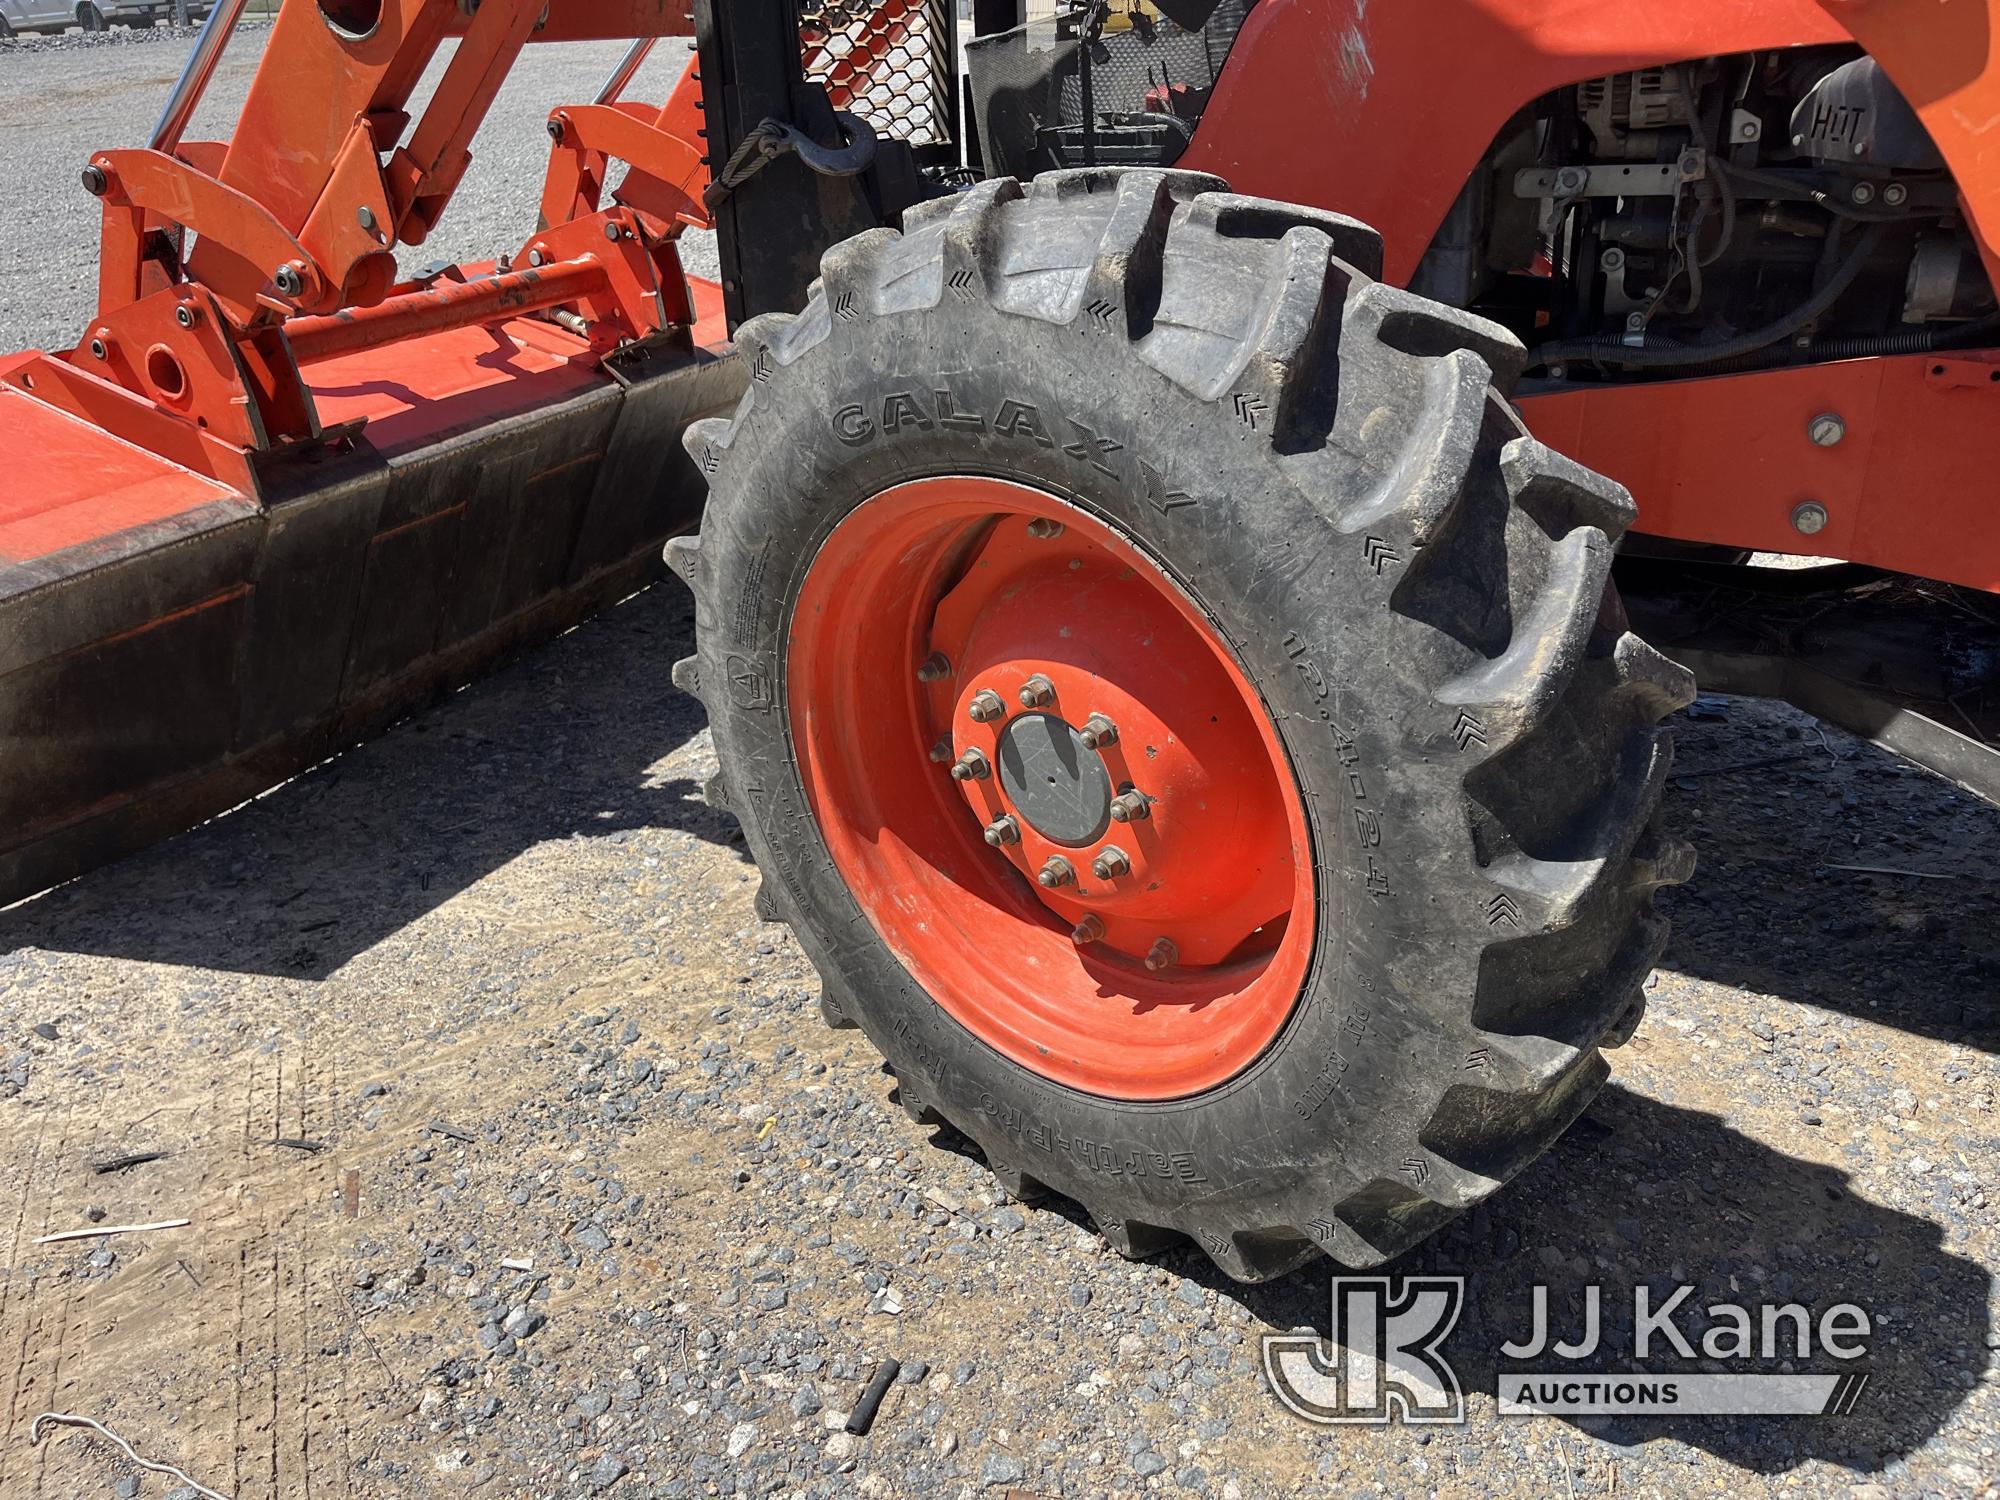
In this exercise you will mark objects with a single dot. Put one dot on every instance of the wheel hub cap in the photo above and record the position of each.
(1058, 785)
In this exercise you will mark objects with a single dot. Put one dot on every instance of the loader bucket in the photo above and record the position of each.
(171, 645)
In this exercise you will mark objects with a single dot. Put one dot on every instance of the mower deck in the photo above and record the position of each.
(170, 645)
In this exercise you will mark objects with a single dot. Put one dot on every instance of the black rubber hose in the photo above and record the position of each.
(1826, 200)
(1612, 352)
(1857, 346)
(863, 1416)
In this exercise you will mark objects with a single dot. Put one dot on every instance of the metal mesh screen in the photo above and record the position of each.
(1149, 73)
(889, 61)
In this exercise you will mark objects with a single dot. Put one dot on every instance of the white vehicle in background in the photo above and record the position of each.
(18, 16)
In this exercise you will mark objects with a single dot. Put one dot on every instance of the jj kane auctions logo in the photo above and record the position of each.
(1385, 1360)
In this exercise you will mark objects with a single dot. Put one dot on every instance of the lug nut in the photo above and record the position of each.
(1097, 732)
(1055, 871)
(1110, 863)
(971, 766)
(1162, 955)
(935, 668)
(1037, 692)
(1089, 930)
(1003, 830)
(1042, 529)
(1130, 807)
(941, 751)
(986, 706)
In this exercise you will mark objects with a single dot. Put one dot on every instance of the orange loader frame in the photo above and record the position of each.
(274, 498)
(296, 219)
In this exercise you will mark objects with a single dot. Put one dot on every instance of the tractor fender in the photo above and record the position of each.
(1404, 99)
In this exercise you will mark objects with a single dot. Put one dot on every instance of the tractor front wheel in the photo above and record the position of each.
(1184, 715)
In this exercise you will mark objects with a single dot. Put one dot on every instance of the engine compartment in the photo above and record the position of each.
(1731, 212)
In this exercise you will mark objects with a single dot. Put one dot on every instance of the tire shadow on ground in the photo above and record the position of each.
(1644, 1192)
(1794, 826)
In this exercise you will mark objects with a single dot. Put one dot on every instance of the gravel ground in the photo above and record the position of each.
(518, 1161)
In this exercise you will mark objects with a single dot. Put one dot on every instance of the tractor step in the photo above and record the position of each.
(170, 646)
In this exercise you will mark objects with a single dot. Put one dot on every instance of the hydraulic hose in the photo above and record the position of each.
(1826, 200)
(1612, 352)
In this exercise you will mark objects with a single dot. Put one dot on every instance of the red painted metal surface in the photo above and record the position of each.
(667, 165)
(296, 217)
(445, 305)
(72, 482)
(431, 387)
(1728, 459)
(1221, 867)
(75, 483)
(334, 162)
(1382, 111)
(1353, 106)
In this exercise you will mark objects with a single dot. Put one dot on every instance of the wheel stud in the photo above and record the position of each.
(1055, 871)
(941, 751)
(1037, 692)
(1089, 930)
(1130, 807)
(1003, 830)
(936, 667)
(1110, 863)
(970, 766)
(1097, 732)
(1042, 529)
(986, 706)
(1162, 955)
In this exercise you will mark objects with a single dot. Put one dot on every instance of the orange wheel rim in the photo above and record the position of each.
(1051, 787)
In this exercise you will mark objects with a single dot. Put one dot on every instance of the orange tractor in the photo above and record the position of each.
(1159, 632)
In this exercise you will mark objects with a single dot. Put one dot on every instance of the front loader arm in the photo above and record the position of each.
(297, 216)
(273, 497)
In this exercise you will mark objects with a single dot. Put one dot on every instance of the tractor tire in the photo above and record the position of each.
(1372, 687)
